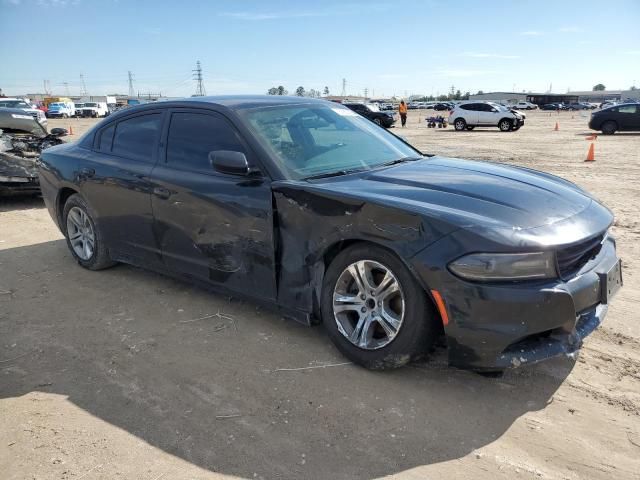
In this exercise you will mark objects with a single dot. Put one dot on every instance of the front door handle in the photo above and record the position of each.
(161, 192)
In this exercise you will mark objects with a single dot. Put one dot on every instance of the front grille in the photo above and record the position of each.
(573, 258)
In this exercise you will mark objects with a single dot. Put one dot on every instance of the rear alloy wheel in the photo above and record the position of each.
(609, 128)
(505, 125)
(460, 124)
(83, 238)
(374, 310)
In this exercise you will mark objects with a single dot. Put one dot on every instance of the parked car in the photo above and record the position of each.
(384, 119)
(304, 204)
(608, 104)
(469, 115)
(524, 106)
(61, 110)
(579, 106)
(27, 107)
(440, 107)
(22, 139)
(620, 118)
(550, 106)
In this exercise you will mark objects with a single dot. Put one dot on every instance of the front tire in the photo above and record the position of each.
(505, 125)
(460, 124)
(374, 310)
(84, 239)
(609, 128)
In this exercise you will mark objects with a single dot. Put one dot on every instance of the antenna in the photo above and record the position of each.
(132, 92)
(84, 86)
(197, 76)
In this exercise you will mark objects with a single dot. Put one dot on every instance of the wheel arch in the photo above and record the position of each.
(63, 196)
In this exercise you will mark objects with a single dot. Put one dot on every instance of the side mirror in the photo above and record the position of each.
(229, 162)
(59, 132)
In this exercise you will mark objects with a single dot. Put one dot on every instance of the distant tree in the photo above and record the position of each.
(458, 95)
(443, 98)
(633, 87)
(282, 90)
(300, 91)
(272, 91)
(313, 93)
(480, 92)
(466, 96)
(325, 91)
(599, 88)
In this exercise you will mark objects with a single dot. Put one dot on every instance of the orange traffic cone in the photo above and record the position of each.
(591, 155)
(70, 130)
(592, 137)
(557, 127)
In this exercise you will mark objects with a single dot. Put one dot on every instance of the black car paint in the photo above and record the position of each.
(384, 119)
(623, 121)
(271, 238)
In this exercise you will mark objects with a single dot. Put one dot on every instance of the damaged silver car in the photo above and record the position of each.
(22, 140)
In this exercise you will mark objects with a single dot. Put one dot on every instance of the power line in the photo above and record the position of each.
(197, 76)
(131, 90)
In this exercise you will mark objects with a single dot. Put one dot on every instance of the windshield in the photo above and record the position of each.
(90, 104)
(311, 140)
(14, 104)
(57, 105)
(78, 105)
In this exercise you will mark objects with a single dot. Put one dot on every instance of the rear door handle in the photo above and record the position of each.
(161, 192)
(87, 172)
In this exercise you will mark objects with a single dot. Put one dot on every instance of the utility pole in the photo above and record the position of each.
(197, 76)
(132, 92)
(66, 88)
(84, 86)
(47, 87)
(344, 88)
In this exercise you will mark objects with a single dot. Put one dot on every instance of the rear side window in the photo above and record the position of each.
(468, 106)
(136, 137)
(484, 107)
(105, 139)
(627, 109)
(193, 135)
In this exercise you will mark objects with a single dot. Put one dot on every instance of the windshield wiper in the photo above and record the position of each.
(334, 174)
(399, 160)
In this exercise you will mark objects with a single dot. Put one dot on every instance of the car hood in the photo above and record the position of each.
(470, 194)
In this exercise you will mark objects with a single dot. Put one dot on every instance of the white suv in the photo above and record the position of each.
(525, 106)
(467, 116)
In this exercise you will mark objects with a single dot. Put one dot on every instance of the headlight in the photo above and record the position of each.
(489, 267)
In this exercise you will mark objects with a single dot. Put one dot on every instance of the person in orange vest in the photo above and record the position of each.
(402, 109)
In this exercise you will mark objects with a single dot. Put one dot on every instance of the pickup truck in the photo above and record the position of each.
(61, 110)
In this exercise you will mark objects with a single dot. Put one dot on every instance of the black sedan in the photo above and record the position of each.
(373, 113)
(624, 117)
(305, 205)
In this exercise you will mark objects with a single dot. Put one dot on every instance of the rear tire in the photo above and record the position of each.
(609, 127)
(83, 216)
(377, 122)
(460, 124)
(355, 318)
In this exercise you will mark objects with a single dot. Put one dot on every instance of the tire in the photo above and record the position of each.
(377, 344)
(505, 125)
(469, 127)
(377, 121)
(76, 214)
(460, 124)
(609, 127)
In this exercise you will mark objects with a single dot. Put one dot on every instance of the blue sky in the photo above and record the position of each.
(390, 47)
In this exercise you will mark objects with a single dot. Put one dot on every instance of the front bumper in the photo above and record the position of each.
(19, 185)
(498, 326)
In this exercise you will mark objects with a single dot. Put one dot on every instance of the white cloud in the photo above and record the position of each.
(487, 55)
(570, 29)
(532, 33)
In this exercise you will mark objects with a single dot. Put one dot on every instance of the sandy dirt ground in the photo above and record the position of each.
(117, 375)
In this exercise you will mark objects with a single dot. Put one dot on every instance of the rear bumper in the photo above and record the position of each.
(499, 326)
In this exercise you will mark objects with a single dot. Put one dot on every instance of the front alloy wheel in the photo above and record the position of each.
(374, 310)
(368, 304)
(460, 124)
(504, 125)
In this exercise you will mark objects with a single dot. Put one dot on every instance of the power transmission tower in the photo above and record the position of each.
(132, 92)
(344, 88)
(197, 76)
(66, 88)
(47, 87)
(366, 91)
(84, 87)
